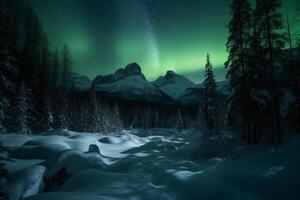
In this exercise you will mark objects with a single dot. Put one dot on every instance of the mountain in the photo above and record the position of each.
(192, 96)
(129, 83)
(174, 85)
(80, 82)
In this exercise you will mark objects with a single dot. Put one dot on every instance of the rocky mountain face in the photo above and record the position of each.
(130, 83)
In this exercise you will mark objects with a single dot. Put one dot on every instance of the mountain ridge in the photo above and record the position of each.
(131, 84)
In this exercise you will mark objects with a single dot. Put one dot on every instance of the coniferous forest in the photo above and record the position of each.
(126, 125)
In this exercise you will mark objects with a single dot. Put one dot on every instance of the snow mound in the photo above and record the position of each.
(163, 164)
(25, 183)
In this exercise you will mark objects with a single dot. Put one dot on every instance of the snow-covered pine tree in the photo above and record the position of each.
(47, 116)
(81, 125)
(94, 123)
(55, 69)
(106, 117)
(21, 111)
(66, 64)
(4, 104)
(210, 102)
(270, 26)
(179, 120)
(147, 118)
(8, 41)
(116, 118)
(156, 119)
(62, 104)
(237, 47)
(61, 121)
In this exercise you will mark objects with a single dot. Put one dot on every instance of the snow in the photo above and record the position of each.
(80, 82)
(132, 87)
(25, 183)
(163, 164)
(129, 83)
(174, 85)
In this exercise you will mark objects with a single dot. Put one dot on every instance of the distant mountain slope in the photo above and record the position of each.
(174, 85)
(130, 83)
(80, 82)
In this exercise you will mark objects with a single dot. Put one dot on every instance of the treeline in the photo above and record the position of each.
(36, 91)
(263, 67)
(32, 77)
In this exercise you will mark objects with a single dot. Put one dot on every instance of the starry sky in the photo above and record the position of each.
(160, 35)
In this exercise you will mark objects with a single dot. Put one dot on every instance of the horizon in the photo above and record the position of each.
(104, 36)
(196, 77)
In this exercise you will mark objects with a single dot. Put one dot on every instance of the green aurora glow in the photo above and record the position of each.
(105, 35)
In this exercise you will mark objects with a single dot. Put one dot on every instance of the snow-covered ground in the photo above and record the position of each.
(150, 164)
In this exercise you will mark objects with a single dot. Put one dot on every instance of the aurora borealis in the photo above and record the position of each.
(160, 35)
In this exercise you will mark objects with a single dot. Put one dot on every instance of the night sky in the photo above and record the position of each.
(160, 35)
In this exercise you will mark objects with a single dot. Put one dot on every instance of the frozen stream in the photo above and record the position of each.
(150, 164)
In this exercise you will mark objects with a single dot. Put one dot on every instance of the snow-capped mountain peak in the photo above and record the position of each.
(174, 85)
(129, 70)
(130, 83)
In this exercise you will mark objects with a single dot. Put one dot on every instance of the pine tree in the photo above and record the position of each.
(156, 119)
(82, 119)
(61, 121)
(237, 47)
(47, 116)
(62, 113)
(294, 110)
(270, 26)
(94, 123)
(8, 44)
(21, 111)
(147, 121)
(116, 118)
(106, 117)
(67, 64)
(54, 69)
(179, 120)
(4, 104)
(209, 104)
(257, 100)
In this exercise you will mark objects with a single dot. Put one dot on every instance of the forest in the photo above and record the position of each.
(263, 68)
(144, 139)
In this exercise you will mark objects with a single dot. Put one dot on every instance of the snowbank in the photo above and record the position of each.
(163, 164)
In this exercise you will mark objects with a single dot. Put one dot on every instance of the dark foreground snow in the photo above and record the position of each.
(137, 165)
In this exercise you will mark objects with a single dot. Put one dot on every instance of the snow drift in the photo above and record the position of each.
(149, 164)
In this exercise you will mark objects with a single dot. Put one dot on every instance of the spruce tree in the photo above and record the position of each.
(237, 47)
(256, 85)
(156, 119)
(8, 44)
(117, 122)
(179, 120)
(21, 111)
(209, 104)
(270, 26)
(55, 69)
(66, 64)
(94, 123)
(62, 118)
(47, 116)
(3, 106)
(106, 117)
